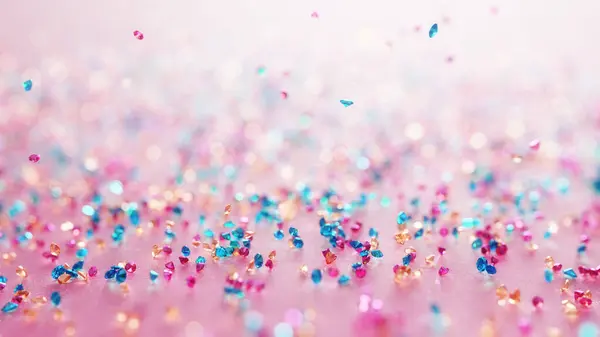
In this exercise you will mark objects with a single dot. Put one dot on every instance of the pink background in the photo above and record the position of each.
(532, 70)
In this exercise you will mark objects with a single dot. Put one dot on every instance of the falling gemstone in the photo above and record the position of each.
(34, 158)
(27, 85)
(55, 298)
(433, 30)
(314, 15)
(346, 103)
(9, 307)
(138, 35)
(153, 275)
(316, 276)
(443, 271)
(121, 276)
(570, 273)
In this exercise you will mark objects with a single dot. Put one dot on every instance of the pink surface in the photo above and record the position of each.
(224, 100)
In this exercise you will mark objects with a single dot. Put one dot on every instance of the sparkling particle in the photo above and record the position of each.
(443, 271)
(27, 85)
(185, 251)
(93, 271)
(138, 35)
(537, 301)
(55, 298)
(9, 307)
(258, 260)
(121, 275)
(433, 30)
(279, 234)
(21, 272)
(316, 276)
(283, 330)
(34, 158)
(481, 264)
(58, 271)
(534, 145)
(570, 273)
(346, 103)
(153, 276)
(402, 218)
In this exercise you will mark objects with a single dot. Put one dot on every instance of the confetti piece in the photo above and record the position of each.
(34, 158)
(138, 35)
(433, 30)
(27, 85)
(346, 103)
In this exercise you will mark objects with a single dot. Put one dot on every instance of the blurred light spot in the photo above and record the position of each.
(153, 153)
(515, 128)
(478, 140)
(414, 131)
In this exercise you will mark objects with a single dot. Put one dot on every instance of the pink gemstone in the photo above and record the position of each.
(577, 294)
(501, 249)
(34, 158)
(269, 264)
(441, 250)
(340, 244)
(244, 251)
(197, 237)
(366, 259)
(167, 249)
(183, 260)
(444, 231)
(395, 269)
(284, 95)
(355, 227)
(130, 267)
(138, 35)
(167, 274)
(443, 271)
(93, 271)
(557, 267)
(314, 15)
(537, 301)
(190, 281)
(494, 260)
(527, 236)
(259, 287)
(525, 327)
(170, 265)
(534, 144)
(199, 267)
(360, 272)
(333, 271)
(584, 238)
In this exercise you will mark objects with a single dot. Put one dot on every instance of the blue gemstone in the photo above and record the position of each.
(377, 253)
(228, 224)
(490, 269)
(121, 276)
(406, 260)
(346, 103)
(185, 251)
(481, 264)
(298, 243)
(9, 307)
(57, 271)
(402, 218)
(419, 233)
(153, 275)
(220, 252)
(316, 276)
(78, 266)
(110, 274)
(433, 30)
(81, 253)
(27, 85)
(238, 233)
(344, 280)
(293, 231)
(279, 234)
(201, 260)
(373, 233)
(19, 287)
(258, 260)
(570, 273)
(3, 280)
(477, 243)
(548, 275)
(55, 298)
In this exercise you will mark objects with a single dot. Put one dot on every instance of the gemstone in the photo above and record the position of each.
(121, 276)
(537, 301)
(168, 274)
(93, 271)
(258, 260)
(55, 298)
(21, 271)
(27, 85)
(443, 271)
(316, 276)
(153, 275)
(570, 273)
(57, 271)
(183, 260)
(185, 251)
(130, 267)
(433, 30)
(9, 307)
(138, 35)
(360, 272)
(481, 264)
(170, 265)
(190, 281)
(346, 103)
